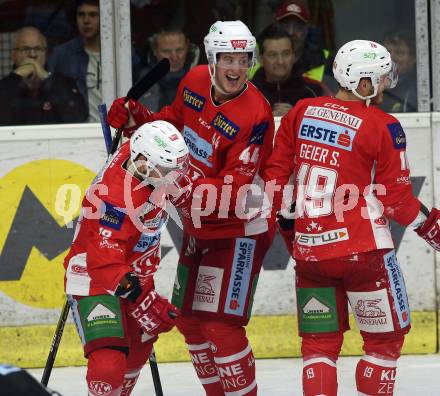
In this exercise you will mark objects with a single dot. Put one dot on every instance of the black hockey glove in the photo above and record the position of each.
(287, 223)
(129, 287)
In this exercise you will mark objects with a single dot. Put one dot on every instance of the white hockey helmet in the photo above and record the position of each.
(229, 37)
(364, 59)
(162, 145)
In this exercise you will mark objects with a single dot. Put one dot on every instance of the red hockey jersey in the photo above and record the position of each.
(351, 175)
(228, 143)
(118, 231)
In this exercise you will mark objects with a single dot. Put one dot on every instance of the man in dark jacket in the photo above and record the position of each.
(277, 79)
(173, 44)
(312, 60)
(80, 59)
(32, 95)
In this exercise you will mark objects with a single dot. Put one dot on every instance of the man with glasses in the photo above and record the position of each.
(351, 176)
(228, 127)
(79, 58)
(32, 95)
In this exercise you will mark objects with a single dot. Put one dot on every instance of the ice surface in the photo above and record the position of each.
(416, 375)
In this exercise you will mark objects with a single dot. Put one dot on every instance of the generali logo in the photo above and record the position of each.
(239, 44)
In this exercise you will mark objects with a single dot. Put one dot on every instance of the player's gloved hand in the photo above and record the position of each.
(179, 189)
(153, 313)
(119, 115)
(430, 230)
(287, 221)
(141, 114)
(129, 287)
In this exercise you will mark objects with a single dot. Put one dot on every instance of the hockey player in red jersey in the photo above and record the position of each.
(114, 255)
(351, 176)
(228, 127)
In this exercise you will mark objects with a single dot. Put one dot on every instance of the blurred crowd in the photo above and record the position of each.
(51, 69)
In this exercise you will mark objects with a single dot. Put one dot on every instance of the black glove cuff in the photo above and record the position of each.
(132, 290)
(286, 224)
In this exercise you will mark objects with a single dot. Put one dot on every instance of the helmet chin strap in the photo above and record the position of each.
(134, 170)
(212, 73)
(366, 98)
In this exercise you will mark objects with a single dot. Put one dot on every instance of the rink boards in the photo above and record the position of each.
(44, 172)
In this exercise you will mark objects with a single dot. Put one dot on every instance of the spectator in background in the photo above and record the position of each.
(183, 55)
(276, 78)
(311, 58)
(79, 58)
(32, 95)
(402, 98)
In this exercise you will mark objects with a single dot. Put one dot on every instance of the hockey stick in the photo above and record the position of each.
(135, 92)
(55, 344)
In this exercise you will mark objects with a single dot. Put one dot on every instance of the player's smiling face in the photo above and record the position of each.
(230, 74)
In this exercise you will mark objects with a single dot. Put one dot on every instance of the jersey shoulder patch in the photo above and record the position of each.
(397, 135)
(258, 133)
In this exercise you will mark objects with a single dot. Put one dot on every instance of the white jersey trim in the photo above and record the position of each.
(76, 318)
(78, 282)
(381, 232)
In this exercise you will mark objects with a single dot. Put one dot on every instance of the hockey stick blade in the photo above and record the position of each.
(142, 86)
(151, 78)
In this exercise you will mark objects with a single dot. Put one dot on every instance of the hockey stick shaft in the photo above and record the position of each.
(155, 374)
(55, 344)
(102, 109)
(137, 90)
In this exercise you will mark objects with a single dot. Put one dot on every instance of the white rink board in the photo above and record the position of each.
(84, 145)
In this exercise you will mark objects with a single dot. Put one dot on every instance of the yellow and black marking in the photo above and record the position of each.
(270, 336)
(40, 202)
